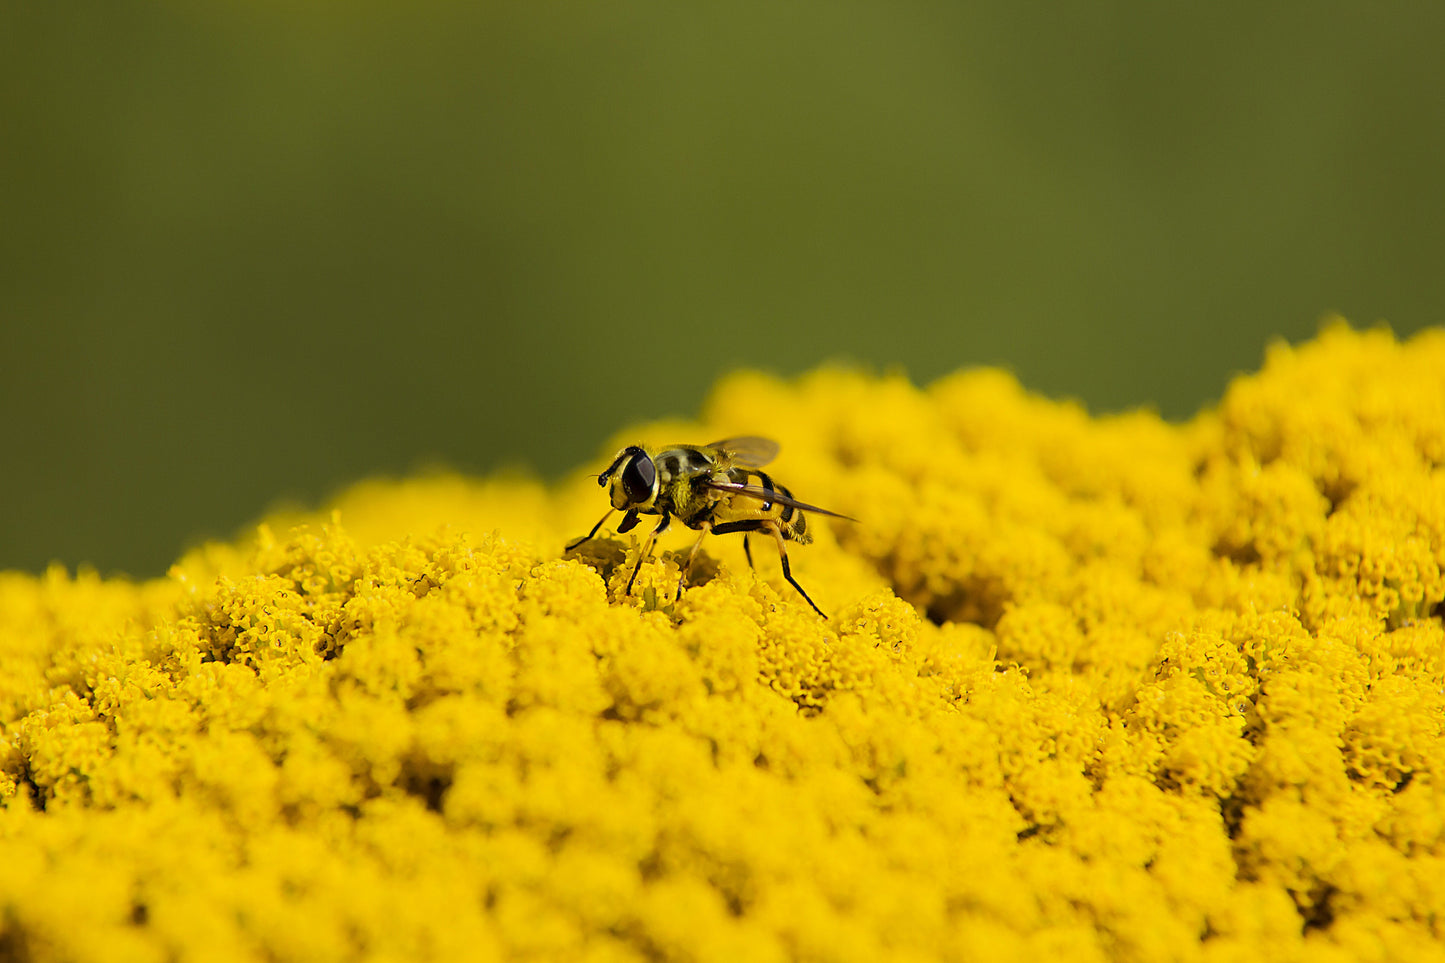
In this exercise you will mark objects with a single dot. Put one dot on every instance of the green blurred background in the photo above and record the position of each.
(253, 251)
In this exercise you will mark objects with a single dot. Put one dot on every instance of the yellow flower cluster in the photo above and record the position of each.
(1093, 689)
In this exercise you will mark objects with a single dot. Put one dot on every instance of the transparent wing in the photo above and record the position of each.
(763, 495)
(749, 451)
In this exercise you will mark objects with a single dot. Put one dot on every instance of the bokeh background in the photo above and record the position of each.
(251, 251)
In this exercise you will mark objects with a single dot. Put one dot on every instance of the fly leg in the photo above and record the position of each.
(687, 566)
(787, 572)
(748, 552)
(628, 523)
(588, 537)
(762, 525)
(647, 549)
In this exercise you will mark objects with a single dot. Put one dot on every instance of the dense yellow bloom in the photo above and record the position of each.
(1093, 689)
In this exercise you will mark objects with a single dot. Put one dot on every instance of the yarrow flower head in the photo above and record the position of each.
(1092, 688)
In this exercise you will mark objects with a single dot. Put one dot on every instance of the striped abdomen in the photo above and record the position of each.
(792, 522)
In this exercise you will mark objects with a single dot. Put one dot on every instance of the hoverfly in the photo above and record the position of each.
(712, 488)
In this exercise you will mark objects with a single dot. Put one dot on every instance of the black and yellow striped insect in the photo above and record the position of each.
(715, 488)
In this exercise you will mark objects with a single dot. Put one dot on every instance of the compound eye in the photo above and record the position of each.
(638, 477)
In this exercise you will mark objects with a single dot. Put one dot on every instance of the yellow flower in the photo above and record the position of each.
(1093, 689)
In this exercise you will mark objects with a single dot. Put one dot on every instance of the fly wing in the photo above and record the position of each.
(764, 495)
(748, 451)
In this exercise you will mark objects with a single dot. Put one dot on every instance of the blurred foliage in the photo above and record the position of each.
(252, 251)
